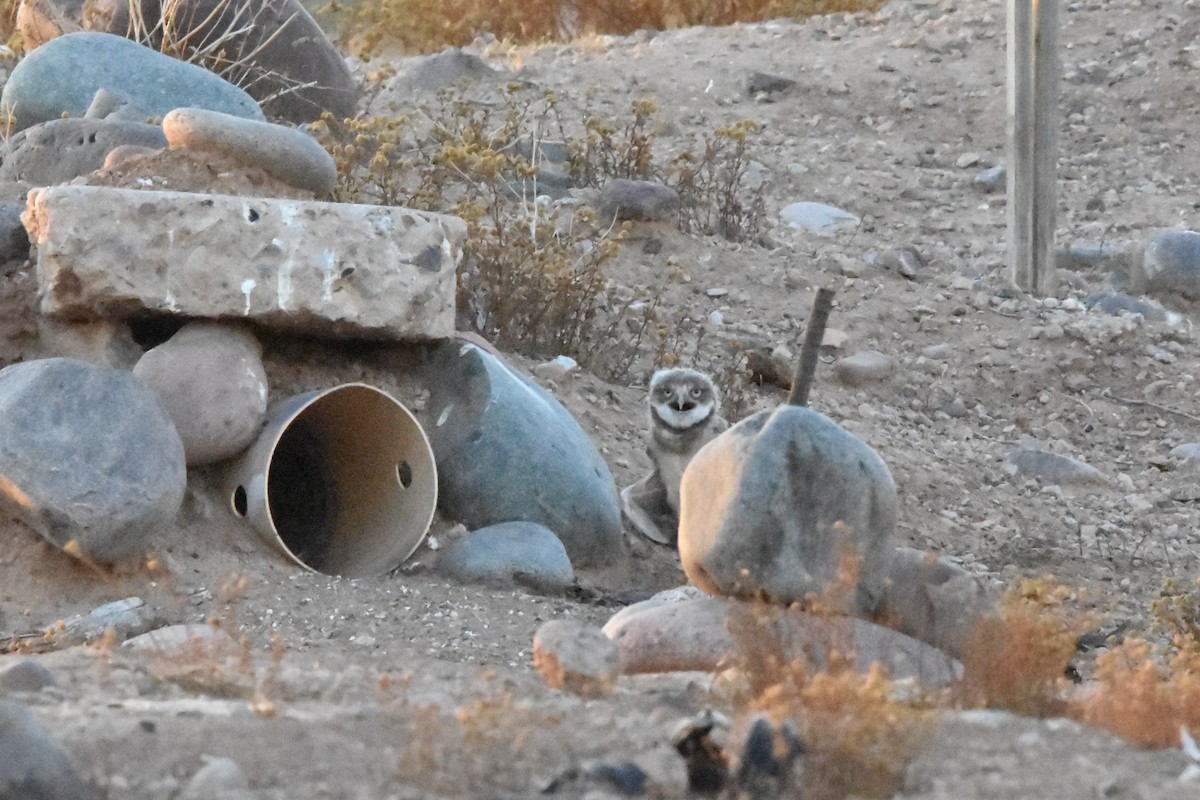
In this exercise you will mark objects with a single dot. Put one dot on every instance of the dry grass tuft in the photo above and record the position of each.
(1147, 692)
(1018, 661)
(486, 744)
(858, 736)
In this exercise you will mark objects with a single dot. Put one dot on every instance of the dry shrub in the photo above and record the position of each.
(429, 25)
(491, 743)
(1145, 695)
(533, 276)
(1147, 692)
(1017, 661)
(858, 737)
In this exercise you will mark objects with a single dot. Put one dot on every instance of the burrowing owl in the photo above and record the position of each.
(685, 414)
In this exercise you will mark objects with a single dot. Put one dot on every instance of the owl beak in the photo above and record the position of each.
(683, 403)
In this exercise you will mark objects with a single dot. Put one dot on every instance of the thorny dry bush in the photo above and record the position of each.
(858, 735)
(367, 28)
(533, 276)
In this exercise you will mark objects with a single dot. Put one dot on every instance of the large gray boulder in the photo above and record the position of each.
(289, 64)
(63, 75)
(786, 505)
(32, 765)
(337, 269)
(88, 457)
(507, 450)
(211, 381)
(62, 149)
(1168, 264)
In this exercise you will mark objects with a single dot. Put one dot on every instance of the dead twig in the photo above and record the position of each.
(1129, 401)
(806, 367)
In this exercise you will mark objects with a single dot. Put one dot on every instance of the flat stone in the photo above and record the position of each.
(700, 634)
(1052, 468)
(88, 457)
(576, 657)
(122, 618)
(1168, 264)
(63, 75)
(510, 553)
(641, 200)
(210, 378)
(62, 149)
(819, 218)
(337, 269)
(1118, 303)
(775, 506)
(860, 369)
(507, 450)
(286, 153)
(179, 638)
(25, 676)
(32, 765)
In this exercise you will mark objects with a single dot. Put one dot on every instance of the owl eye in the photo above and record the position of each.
(697, 392)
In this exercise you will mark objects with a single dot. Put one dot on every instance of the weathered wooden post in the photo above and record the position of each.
(1033, 67)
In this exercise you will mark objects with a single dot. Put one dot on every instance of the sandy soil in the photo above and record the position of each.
(349, 689)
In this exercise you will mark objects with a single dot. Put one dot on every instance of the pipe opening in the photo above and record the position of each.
(240, 505)
(302, 494)
(405, 473)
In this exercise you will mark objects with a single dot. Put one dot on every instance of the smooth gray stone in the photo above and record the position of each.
(286, 153)
(644, 200)
(524, 553)
(87, 456)
(869, 366)
(14, 239)
(115, 107)
(64, 74)
(992, 179)
(507, 450)
(25, 676)
(293, 68)
(1118, 303)
(214, 779)
(32, 765)
(125, 618)
(446, 70)
(775, 507)
(63, 149)
(1168, 264)
(1052, 468)
(1093, 255)
(819, 218)
(210, 379)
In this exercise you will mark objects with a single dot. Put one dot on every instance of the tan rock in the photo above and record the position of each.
(576, 657)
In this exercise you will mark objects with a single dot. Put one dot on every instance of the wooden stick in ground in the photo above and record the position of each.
(806, 367)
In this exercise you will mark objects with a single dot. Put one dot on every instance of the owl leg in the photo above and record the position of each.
(645, 505)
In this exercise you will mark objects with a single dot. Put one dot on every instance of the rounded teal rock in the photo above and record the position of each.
(63, 75)
(506, 450)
